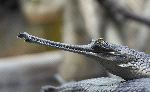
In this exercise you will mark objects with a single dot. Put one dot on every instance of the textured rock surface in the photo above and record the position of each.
(103, 85)
(90, 85)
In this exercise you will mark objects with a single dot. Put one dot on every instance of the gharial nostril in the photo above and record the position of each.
(20, 35)
(23, 35)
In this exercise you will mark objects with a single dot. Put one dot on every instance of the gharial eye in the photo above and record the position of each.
(99, 41)
(97, 44)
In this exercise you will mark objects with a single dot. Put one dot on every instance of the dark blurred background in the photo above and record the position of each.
(26, 67)
(18, 16)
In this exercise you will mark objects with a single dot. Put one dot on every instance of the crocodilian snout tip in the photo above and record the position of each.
(23, 35)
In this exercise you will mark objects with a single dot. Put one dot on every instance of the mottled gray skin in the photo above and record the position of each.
(117, 59)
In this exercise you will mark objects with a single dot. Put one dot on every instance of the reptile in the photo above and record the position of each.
(131, 65)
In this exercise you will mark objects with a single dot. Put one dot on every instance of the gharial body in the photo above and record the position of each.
(134, 66)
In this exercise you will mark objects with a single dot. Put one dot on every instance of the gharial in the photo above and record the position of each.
(134, 65)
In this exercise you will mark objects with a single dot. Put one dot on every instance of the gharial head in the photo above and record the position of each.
(96, 48)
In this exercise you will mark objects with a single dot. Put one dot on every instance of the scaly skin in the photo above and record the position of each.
(117, 59)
